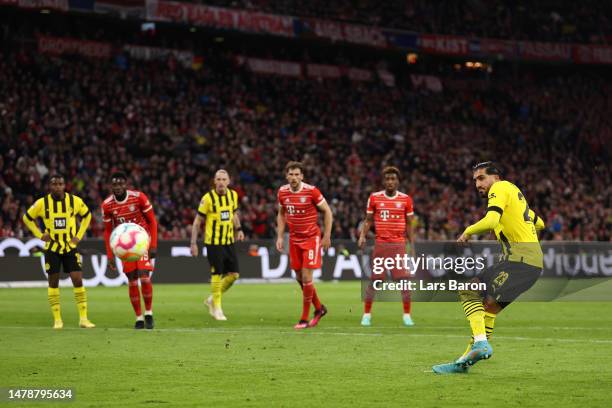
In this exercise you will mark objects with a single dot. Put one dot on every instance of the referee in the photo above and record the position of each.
(219, 207)
(58, 212)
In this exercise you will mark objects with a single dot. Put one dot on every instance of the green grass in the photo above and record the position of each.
(546, 354)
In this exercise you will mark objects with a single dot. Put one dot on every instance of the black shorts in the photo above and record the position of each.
(68, 262)
(508, 279)
(222, 259)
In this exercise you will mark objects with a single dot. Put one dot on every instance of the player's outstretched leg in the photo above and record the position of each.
(147, 294)
(489, 325)
(480, 349)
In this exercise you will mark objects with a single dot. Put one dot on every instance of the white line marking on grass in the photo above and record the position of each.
(250, 329)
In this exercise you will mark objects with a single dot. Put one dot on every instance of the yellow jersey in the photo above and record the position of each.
(59, 218)
(219, 212)
(516, 230)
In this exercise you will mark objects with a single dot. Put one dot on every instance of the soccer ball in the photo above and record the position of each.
(129, 242)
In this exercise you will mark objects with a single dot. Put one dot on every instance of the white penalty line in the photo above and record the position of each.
(310, 332)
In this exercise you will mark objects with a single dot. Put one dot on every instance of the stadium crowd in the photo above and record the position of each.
(169, 127)
(558, 21)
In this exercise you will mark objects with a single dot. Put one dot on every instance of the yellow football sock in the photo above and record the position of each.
(80, 296)
(489, 323)
(54, 302)
(474, 311)
(228, 281)
(215, 283)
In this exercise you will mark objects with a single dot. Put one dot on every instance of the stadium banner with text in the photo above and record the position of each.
(271, 67)
(289, 26)
(340, 32)
(65, 45)
(141, 52)
(121, 8)
(565, 263)
(297, 69)
(545, 51)
(219, 17)
(592, 54)
(61, 5)
(444, 44)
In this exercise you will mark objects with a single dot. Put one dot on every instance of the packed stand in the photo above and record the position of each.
(557, 21)
(170, 127)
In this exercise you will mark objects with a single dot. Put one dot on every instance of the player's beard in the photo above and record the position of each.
(120, 197)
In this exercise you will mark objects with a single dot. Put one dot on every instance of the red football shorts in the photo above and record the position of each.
(143, 264)
(390, 250)
(305, 254)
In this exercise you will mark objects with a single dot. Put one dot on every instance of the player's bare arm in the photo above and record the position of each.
(238, 227)
(328, 219)
(365, 228)
(410, 234)
(195, 227)
(280, 228)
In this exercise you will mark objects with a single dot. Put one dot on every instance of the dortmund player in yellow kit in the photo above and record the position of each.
(58, 212)
(515, 227)
(219, 210)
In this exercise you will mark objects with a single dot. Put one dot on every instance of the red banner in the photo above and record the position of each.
(593, 54)
(219, 17)
(62, 45)
(47, 4)
(506, 48)
(444, 44)
(296, 69)
(323, 71)
(271, 67)
(351, 33)
(358, 74)
(545, 51)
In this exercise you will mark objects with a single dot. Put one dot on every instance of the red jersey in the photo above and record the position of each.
(390, 215)
(135, 208)
(301, 210)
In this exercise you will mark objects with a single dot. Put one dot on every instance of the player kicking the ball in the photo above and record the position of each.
(132, 206)
(391, 212)
(298, 205)
(515, 227)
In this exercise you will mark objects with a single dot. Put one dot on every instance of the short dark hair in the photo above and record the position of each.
(391, 170)
(56, 176)
(118, 175)
(490, 168)
(294, 165)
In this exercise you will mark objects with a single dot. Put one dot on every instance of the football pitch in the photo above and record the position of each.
(545, 354)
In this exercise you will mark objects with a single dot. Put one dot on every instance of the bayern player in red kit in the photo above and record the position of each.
(298, 206)
(391, 212)
(132, 206)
